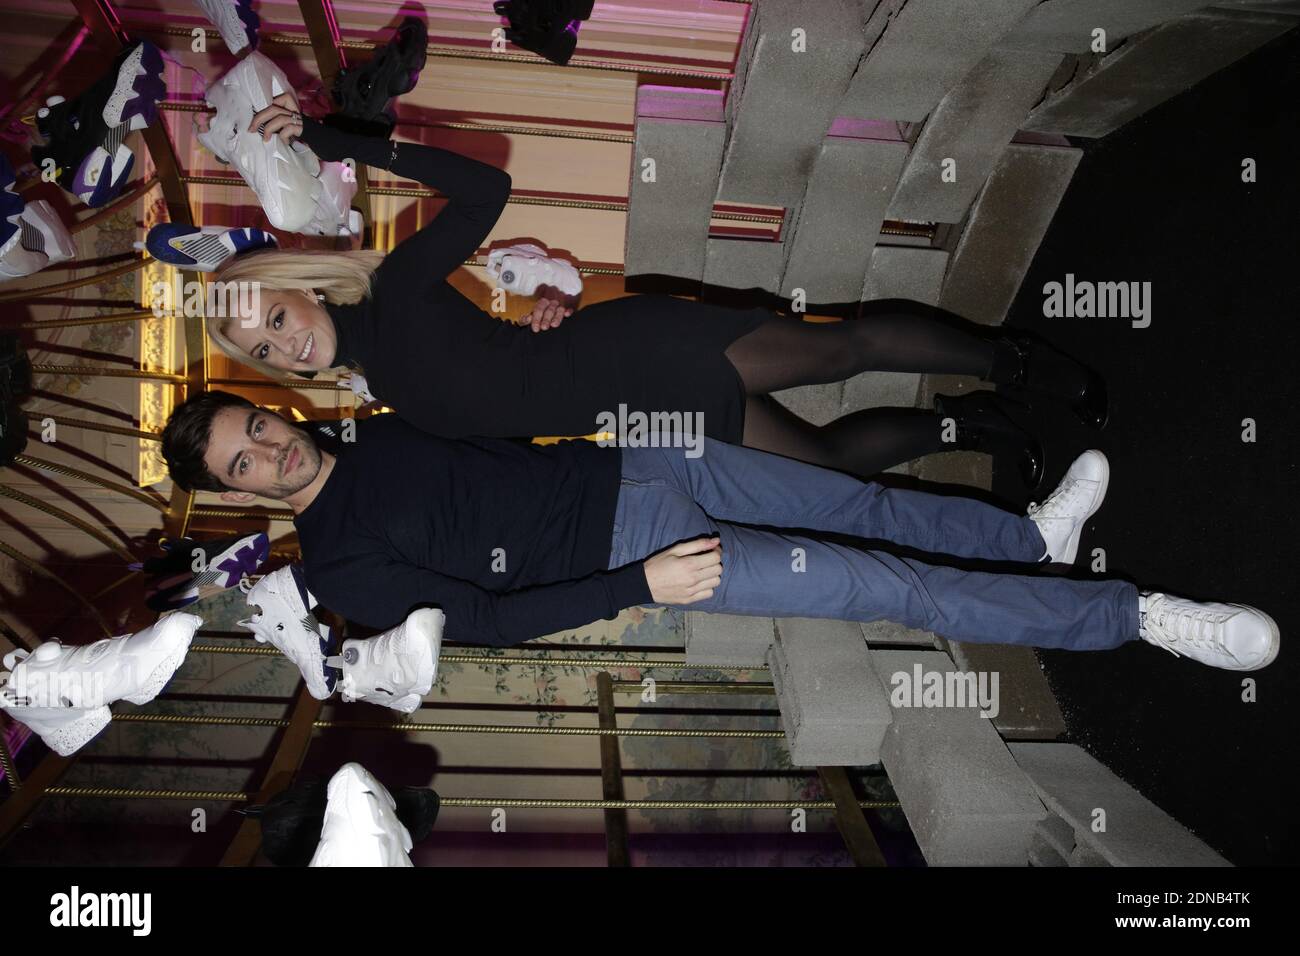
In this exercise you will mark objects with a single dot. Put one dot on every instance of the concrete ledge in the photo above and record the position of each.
(842, 212)
(1065, 26)
(970, 127)
(1006, 225)
(924, 51)
(782, 100)
(967, 801)
(682, 130)
(833, 709)
(745, 263)
(1151, 68)
(1075, 785)
(728, 639)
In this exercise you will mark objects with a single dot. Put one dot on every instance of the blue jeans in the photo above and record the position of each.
(666, 497)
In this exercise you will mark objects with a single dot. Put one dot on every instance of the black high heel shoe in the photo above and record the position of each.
(985, 423)
(1026, 360)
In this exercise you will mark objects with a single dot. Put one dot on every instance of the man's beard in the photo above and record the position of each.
(307, 470)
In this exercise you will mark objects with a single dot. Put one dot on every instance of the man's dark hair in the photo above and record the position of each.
(185, 439)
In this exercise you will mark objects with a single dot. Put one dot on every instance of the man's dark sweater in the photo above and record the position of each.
(510, 539)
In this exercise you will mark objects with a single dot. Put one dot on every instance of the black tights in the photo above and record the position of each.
(897, 335)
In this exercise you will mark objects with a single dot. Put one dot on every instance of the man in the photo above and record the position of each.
(514, 541)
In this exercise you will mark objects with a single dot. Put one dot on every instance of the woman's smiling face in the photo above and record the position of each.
(292, 332)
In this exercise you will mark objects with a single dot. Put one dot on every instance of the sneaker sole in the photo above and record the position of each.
(1072, 546)
(166, 668)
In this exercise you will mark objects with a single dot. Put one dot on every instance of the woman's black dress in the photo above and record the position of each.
(451, 369)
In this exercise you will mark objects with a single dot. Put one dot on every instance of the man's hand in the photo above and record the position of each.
(686, 572)
(282, 118)
(547, 314)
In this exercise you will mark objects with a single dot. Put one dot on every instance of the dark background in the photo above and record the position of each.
(1192, 509)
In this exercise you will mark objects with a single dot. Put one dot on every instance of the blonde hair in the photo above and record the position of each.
(343, 278)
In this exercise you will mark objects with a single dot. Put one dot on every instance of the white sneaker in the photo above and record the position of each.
(361, 825)
(394, 669)
(1061, 517)
(1235, 637)
(283, 176)
(40, 239)
(63, 693)
(334, 215)
(234, 20)
(524, 267)
(286, 622)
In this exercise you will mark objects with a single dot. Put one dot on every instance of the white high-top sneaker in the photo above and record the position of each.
(1061, 517)
(1235, 637)
(63, 693)
(522, 268)
(284, 177)
(394, 669)
(361, 825)
(234, 20)
(286, 622)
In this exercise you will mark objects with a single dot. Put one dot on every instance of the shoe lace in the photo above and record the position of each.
(1172, 624)
(1058, 502)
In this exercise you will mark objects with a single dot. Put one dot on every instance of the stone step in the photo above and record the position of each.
(967, 801)
(1085, 793)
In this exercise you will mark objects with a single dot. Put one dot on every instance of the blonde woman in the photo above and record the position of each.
(453, 370)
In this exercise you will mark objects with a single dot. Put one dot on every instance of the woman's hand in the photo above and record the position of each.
(547, 314)
(686, 572)
(282, 118)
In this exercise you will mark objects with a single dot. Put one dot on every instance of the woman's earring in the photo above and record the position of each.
(319, 297)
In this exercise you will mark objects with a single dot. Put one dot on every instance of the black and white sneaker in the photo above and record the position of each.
(85, 136)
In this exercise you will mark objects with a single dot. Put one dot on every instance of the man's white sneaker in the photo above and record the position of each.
(63, 693)
(1235, 637)
(361, 825)
(394, 669)
(1061, 517)
(287, 623)
(524, 267)
(284, 177)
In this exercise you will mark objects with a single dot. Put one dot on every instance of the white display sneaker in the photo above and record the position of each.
(286, 622)
(394, 669)
(1235, 637)
(1061, 517)
(361, 825)
(234, 20)
(63, 693)
(524, 267)
(334, 214)
(284, 177)
(41, 240)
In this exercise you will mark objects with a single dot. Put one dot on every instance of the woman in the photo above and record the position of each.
(453, 370)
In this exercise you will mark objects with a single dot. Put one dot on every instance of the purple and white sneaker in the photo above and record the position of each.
(203, 248)
(86, 136)
(192, 566)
